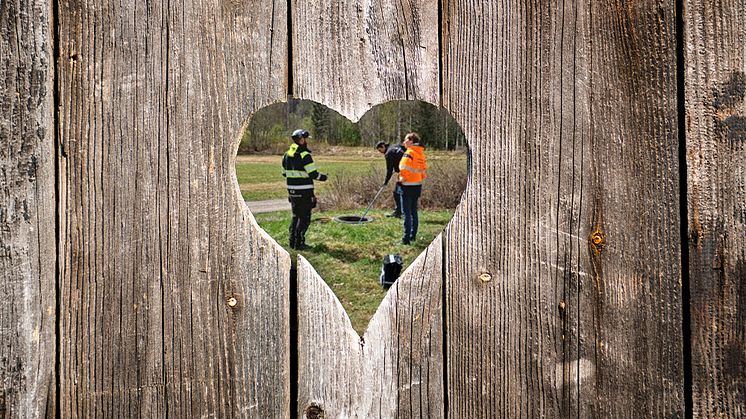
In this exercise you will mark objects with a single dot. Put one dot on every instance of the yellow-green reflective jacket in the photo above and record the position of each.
(299, 169)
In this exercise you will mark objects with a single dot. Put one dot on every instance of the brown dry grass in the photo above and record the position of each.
(445, 183)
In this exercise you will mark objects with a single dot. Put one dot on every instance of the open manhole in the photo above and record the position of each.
(352, 219)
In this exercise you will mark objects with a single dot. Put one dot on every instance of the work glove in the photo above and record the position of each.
(322, 177)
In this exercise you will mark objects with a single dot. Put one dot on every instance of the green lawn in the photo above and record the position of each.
(260, 176)
(260, 179)
(349, 257)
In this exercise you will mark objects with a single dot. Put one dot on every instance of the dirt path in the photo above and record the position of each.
(270, 205)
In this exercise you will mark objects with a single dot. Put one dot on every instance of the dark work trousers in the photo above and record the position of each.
(397, 199)
(301, 206)
(411, 194)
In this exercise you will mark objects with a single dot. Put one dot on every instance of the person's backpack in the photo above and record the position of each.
(390, 270)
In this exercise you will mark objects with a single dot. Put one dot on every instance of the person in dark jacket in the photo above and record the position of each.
(393, 155)
(300, 171)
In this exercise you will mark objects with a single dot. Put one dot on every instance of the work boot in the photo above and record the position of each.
(394, 214)
(303, 247)
(300, 243)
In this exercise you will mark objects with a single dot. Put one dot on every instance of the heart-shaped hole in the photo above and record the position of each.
(353, 236)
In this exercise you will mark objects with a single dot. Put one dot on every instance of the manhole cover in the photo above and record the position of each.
(352, 219)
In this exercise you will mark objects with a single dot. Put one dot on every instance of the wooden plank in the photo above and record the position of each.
(394, 370)
(157, 244)
(563, 268)
(715, 82)
(351, 55)
(27, 211)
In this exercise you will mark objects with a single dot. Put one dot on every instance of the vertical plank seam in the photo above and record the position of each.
(290, 75)
(440, 55)
(567, 357)
(164, 272)
(443, 241)
(683, 211)
(578, 280)
(444, 322)
(54, 30)
(293, 318)
(293, 285)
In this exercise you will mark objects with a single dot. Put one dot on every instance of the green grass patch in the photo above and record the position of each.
(260, 179)
(260, 175)
(349, 257)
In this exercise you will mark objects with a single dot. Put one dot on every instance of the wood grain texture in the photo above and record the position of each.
(156, 239)
(352, 54)
(563, 293)
(395, 369)
(27, 211)
(715, 80)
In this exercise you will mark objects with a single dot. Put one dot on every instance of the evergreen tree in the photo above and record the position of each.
(427, 118)
(270, 127)
(321, 121)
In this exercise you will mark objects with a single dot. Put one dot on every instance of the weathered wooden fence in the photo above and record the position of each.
(596, 266)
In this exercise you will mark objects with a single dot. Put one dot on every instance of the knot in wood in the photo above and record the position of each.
(314, 411)
(598, 240)
(485, 277)
(232, 302)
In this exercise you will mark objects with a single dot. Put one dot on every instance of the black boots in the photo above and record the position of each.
(299, 244)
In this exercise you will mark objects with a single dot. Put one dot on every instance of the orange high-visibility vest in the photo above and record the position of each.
(412, 166)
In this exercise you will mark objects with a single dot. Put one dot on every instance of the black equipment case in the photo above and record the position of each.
(390, 270)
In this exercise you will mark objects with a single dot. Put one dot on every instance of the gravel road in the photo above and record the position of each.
(271, 205)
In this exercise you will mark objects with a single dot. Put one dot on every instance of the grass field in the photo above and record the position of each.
(260, 176)
(349, 257)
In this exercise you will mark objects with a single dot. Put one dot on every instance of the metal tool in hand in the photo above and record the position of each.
(371, 204)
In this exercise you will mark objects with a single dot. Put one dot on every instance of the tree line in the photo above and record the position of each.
(270, 127)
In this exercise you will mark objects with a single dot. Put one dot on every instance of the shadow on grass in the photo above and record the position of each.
(344, 255)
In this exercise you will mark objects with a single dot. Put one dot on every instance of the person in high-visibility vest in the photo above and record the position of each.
(412, 171)
(300, 171)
